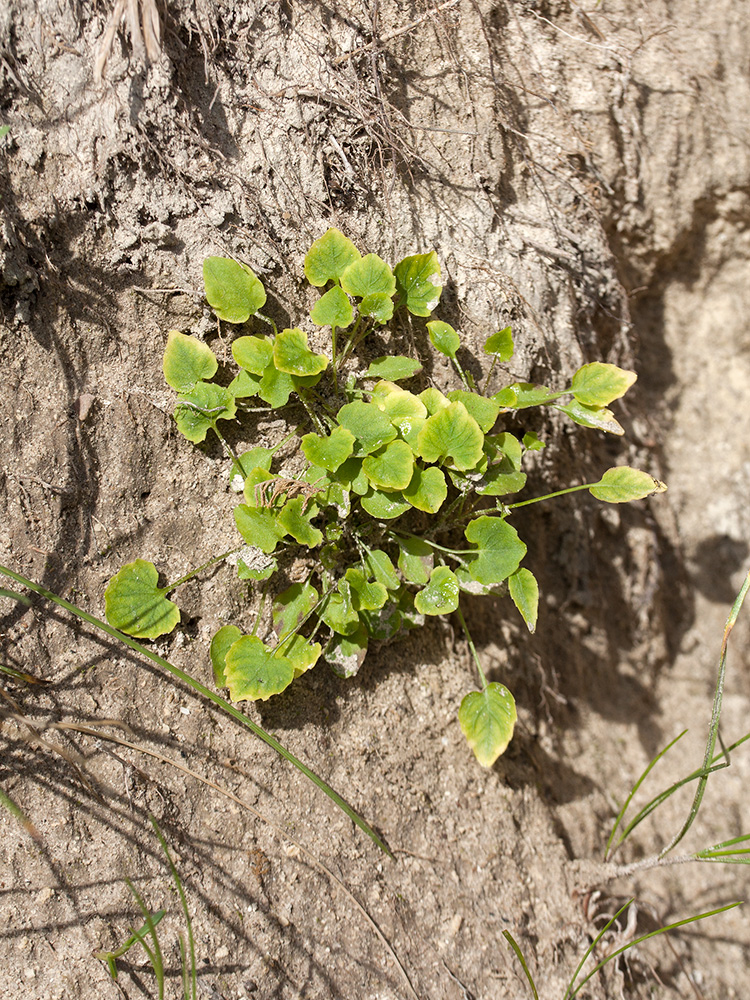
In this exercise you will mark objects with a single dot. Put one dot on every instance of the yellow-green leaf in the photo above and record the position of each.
(329, 257)
(333, 309)
(418, 282)
(451, 434)
(623, 484)
(292, 355)
(369, 275)
(390, 468)
(487, 719)
(187, 361)
(524, 591)
(136, 605)
(440, 596)
(599, 384)
(232, 289)
(220, 645)
(253, 672)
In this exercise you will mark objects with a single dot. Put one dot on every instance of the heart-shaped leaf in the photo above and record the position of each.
(598, 417)
(252, 353)
(444, 338)
(499, 549)
(187, 361)
(379, 305)
(136, 605)
(366, 596)
(369, 275)
(233, 291)
(524, 591)
(276, 386)
(427, 489)
(451, 435)
(333, 309)
(487, 719)
(434, 400)
(440, 596)
(292, 355)
(244, 384)
(390, 468)
(394, 368)
(501, 479)
(369, 425)
(331, 452)
(294, 521)
(418, 282)
(483, 410)
(197, 411)
(329, 257)
(220, 645)
(599, 384)
(623, 484)
(253, 672)
(500, 344)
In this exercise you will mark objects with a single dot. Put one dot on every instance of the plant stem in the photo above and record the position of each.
(195, 572)
(489, 375)
(472, 647)
(333, 359)
(267, 319)
(201, 689)
(548, 496)
(227, 446)
(314, 419)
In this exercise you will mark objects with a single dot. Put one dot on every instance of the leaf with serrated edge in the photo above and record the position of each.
(333, 309)
(623, 484)
(444, 338)
(524, 592)
(440, 596)
(233, 291)
(487, 719)
(220, 644)
(329, 257)
(253, 672)
(187, 361)
(599, 384)
(418, 282)
(136, 605)
(499, 549)
(369, 275)
(453, 434)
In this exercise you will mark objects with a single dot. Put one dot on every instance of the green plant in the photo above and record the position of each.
(394, 502)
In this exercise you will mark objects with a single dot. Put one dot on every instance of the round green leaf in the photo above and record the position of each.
(253, 672)
(369, 275)
(418, 282)
(487, 719)
(390, 468)
(220, 644)
(293, 520)
(451, 434)
(415, 559)
(500, 344)
(384, 506)
(369, 425)
(524, 591)
(331, 452)
(366, 596)
(599, 384)
(483, 410)
(499, 549)
(244, 384)
(598, 417)
(427, 490)
(187, 361)
(292, 605)
(134, 603)
(444, 338)
(333, 309)
(622, 484)
(440, 596)
(433, 400)
(259, 526)
(292, 355)
(346, 653)
(501, 479)
(394, 368)
(233, 291)
(379, 305)
(252, 353)
(302, 653)
(329, 257)
(198, 410)
(275, 387)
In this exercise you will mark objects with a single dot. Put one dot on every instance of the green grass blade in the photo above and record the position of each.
(633, 790)
(726, 852)
(17, 813)
(641, 939)
(519, 955)
(14, 596)
(568, 992)
(715, 716)
(188, 922)
(154, 955)
(136, 937)
(201, 689)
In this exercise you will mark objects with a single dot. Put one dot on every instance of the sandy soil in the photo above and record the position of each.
(582, 171)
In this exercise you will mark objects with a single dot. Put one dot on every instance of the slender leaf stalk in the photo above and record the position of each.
(472, 647)
(519, 955)
(188, 922)
(195, 572)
